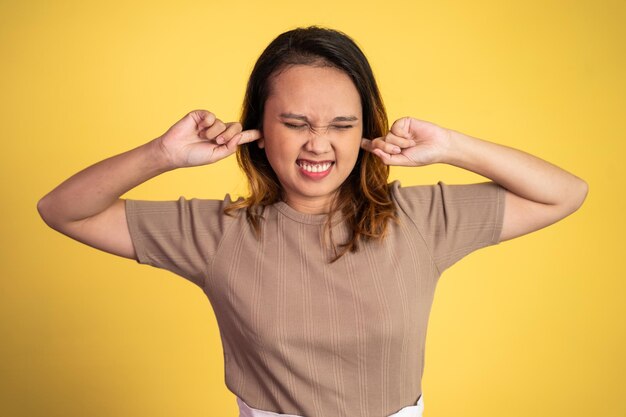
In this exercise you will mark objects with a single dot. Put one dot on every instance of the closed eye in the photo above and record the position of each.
(302, 126)
(292, 126)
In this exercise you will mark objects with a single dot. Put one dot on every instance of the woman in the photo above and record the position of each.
(323, 278)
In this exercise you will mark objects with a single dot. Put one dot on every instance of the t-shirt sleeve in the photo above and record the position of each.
(453, 220)
(181, 236)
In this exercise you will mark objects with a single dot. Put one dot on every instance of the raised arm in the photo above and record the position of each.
(538, 192)
(87, 206)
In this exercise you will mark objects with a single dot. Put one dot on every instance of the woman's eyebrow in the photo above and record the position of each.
(305, 119)
(345, 119)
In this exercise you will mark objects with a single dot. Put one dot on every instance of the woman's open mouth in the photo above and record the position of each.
(313, 169)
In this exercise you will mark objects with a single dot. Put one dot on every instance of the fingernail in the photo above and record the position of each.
(219, 140)
(396, 149)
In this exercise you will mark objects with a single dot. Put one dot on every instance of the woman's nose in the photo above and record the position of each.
(318, 142)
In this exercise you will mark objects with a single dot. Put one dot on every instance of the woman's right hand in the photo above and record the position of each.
(200, 138)
(87, 206)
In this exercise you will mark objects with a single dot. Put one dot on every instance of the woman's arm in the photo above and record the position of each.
(538, 193)
(87, 206)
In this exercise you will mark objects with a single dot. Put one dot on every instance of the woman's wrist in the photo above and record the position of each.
(455, 149)
(479, 156)
(158, 160)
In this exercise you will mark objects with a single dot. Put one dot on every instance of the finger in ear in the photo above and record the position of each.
(366, 144)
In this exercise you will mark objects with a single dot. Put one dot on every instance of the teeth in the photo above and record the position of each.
(315, 168)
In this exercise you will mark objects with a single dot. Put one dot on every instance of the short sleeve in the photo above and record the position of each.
(453, 220)
(181, 236)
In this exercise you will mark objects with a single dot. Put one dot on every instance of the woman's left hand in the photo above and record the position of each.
(410, 142)
(537, 193)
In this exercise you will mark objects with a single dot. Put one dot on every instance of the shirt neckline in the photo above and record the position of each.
(305, 218)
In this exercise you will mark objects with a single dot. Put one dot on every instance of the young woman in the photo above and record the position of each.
(323, 278)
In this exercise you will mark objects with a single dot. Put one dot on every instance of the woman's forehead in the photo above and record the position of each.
(322, 93)
(312, 77)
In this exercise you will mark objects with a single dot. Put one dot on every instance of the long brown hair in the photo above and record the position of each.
(363, 199)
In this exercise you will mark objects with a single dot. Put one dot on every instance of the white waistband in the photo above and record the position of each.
(246, 411)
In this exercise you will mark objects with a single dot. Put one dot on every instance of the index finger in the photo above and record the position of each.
(249, 136)
(367, 143)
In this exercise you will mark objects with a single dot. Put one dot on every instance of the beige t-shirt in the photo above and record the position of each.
(301, 335)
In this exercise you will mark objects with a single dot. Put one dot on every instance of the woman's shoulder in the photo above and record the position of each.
(196, 207)
(446, 196)
(396, 188)
(423, 191)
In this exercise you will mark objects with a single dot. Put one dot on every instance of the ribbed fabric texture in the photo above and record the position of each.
(303, 336)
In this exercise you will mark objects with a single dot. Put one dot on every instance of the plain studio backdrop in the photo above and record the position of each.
(534, 326)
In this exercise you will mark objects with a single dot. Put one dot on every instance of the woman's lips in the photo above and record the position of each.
(314, 169)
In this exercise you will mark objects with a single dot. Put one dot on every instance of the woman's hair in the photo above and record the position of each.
(364, 197)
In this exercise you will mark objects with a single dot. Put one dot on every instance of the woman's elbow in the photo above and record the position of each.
(578, 194)
(45, 208)
(582, 193)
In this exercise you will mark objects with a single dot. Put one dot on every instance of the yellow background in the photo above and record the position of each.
(534, 326)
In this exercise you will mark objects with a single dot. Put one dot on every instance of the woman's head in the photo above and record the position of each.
(312, 131)
(294, 57)
(315, 46)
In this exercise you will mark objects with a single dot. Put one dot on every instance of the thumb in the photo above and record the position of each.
(203, 118)
(401, 127)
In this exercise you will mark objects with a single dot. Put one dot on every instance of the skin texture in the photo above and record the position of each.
(87, 206)
(300, 123)
(538, 193)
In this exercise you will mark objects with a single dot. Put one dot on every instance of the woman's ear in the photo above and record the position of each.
(261, 143)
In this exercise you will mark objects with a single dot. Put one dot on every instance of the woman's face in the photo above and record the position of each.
(312, 130)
